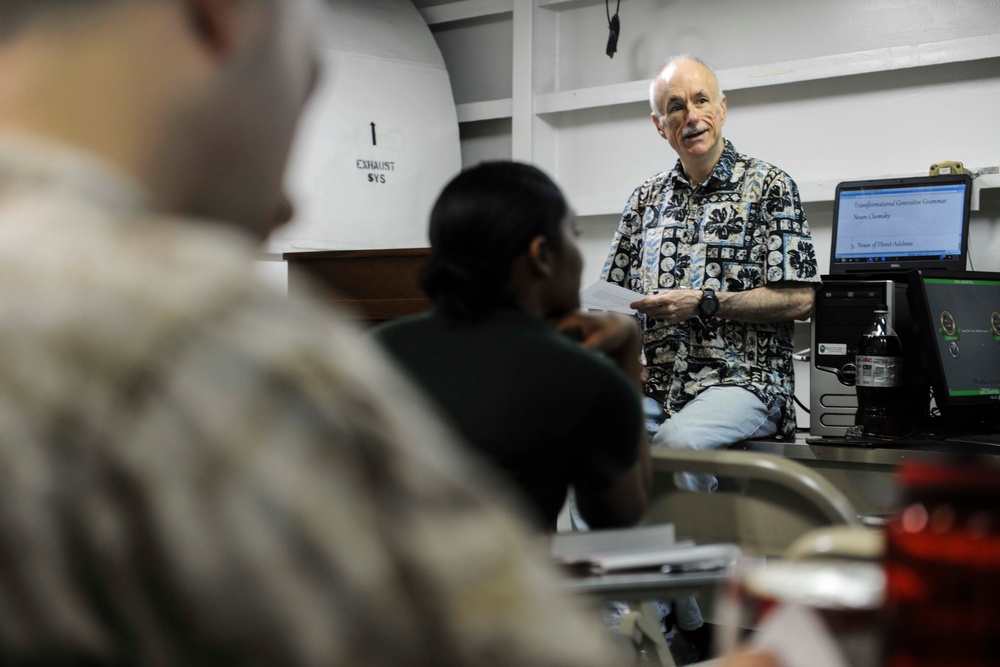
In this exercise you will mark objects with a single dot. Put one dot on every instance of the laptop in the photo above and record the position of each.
(894, 225)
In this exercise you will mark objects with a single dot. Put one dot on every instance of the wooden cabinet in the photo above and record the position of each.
(371, 286)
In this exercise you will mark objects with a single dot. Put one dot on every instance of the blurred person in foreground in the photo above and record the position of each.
(501, 349)
(194, 470)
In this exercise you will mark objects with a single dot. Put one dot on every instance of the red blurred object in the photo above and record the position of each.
(943, 568)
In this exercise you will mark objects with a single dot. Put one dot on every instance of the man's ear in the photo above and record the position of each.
(540, 256)
(658, 123)
(215, 23)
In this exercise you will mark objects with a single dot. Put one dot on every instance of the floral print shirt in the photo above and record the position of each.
(741, 229)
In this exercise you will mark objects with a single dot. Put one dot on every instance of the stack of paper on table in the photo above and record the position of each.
(641, 548)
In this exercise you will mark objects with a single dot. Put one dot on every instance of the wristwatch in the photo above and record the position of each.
(709, 304)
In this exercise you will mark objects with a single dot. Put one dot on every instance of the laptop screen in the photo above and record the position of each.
(957, 316)
(899, 224)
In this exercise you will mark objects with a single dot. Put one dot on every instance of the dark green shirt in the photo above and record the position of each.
(544, 410)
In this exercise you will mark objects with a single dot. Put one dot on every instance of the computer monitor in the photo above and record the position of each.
(957, 318)
(900, 224)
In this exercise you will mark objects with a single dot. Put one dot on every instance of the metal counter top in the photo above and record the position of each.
(910, 450)
(867, 475)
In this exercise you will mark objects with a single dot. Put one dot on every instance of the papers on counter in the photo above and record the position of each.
(603, 295)
(570, 547)
(685, 557)
(641, 548)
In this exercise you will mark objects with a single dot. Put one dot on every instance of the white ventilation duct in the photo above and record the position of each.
(380, 137)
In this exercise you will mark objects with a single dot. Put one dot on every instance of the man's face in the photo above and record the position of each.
(267, 92)
(692, 111)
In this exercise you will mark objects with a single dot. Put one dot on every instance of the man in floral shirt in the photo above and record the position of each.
(720, 246)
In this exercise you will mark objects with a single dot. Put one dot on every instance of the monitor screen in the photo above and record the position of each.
(900, 224)
(957, 316)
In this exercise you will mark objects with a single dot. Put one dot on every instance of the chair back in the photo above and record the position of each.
(763, 504)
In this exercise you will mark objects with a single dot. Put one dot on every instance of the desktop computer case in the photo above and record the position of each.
(843, 311)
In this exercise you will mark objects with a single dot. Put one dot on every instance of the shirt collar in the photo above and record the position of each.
(720, 175)
(33, 161)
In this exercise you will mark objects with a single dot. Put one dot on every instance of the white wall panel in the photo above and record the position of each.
(736, 33)
(485, 140)
(839, 129)
(877, 124)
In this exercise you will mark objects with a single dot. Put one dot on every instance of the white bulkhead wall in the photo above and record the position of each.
(380, 137)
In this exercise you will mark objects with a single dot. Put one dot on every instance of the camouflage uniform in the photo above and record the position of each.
(194, 469)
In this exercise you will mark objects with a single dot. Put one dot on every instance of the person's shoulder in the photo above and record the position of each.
(125, 283)
(735, 162)
(592, 368)
(525, 334)
(401, 326)
(762, 168)
(657, 180)
(649, 191)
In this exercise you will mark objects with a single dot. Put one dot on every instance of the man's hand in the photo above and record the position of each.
(672, 306)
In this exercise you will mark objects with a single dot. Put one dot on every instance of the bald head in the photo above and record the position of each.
(196, 100)
(689, 110)
(667, 70)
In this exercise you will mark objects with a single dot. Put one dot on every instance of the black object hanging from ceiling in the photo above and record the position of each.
(614, 28)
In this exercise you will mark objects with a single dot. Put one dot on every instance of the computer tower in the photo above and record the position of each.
(843, 311)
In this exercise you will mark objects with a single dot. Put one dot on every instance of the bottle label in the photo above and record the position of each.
(874, 371)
